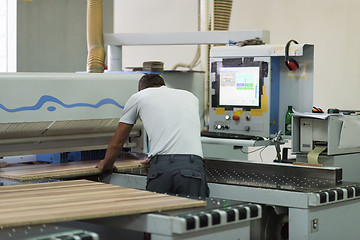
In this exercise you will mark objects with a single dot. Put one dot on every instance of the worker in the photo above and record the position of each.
(171, 121)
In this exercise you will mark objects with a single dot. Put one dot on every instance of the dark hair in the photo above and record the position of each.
(150, 80)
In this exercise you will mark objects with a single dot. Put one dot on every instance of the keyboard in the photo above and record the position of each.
(229, 135)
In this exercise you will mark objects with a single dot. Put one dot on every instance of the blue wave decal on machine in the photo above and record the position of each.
(47, 98)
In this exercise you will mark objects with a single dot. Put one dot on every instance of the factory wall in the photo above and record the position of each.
(156, 16)
(51, 34)
(330, 25)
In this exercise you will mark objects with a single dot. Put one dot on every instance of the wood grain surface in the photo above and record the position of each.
(50, 202)
(62, 170)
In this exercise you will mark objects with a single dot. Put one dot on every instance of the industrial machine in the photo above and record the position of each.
(303, 206)
(66, 112)
(79, 112)
(298, 201)
(330, 140)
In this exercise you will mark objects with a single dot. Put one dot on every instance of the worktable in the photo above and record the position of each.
(56, 201)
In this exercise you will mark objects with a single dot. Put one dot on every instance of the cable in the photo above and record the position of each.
(259, 149)
(262, 148)
(194, 62)
(261, 153)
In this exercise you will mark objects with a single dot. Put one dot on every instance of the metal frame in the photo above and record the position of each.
(115, 41)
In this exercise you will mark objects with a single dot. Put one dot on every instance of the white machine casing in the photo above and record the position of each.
(55, 112)
(339, 134)
(63, 112)
(332, 131)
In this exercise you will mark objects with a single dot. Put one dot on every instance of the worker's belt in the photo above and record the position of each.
(175, 157)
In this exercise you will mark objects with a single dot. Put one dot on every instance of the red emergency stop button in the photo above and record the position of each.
(236, 118)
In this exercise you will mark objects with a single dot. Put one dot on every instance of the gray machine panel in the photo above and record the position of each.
(281, 88)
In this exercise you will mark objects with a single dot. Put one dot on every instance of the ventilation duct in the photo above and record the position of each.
(222, 14)
(95, 43)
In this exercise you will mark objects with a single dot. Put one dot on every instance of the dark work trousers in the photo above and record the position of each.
(178, 174)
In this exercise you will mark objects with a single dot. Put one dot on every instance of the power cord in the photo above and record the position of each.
(262, 148)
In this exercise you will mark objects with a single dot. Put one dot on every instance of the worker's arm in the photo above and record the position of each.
(115, 146)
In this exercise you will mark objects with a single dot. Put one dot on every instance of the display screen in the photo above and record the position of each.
(240, 86)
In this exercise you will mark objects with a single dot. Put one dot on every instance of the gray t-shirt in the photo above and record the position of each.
(170, 117)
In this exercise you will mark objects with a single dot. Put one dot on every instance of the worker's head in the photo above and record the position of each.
(150, 80)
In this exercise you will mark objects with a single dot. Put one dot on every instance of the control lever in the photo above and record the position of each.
(276, 140)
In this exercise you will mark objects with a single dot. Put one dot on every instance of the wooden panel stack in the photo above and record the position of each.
(61, 170)
(29, 204)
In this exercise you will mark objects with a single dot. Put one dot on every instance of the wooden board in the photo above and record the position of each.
(61, 170)
(39, 203)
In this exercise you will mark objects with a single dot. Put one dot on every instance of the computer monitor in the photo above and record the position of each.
(240, 86)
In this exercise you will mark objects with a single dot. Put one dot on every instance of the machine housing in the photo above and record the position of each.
(337, 134)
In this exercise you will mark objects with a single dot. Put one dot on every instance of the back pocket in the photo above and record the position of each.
(191, 173)
(152, 174)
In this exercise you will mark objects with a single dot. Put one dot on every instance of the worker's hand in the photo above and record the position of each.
(146, 161)
(105, 166)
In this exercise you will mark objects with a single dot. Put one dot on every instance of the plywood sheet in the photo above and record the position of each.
(22, 205)
(61, 170)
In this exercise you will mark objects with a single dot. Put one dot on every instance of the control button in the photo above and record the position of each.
(227, 117)
(221, 127)
(236, 118)
(248, 118)
(218, 126)
(247, 128)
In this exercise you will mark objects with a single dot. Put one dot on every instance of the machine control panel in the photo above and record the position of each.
(238, 96)
(253, 87)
